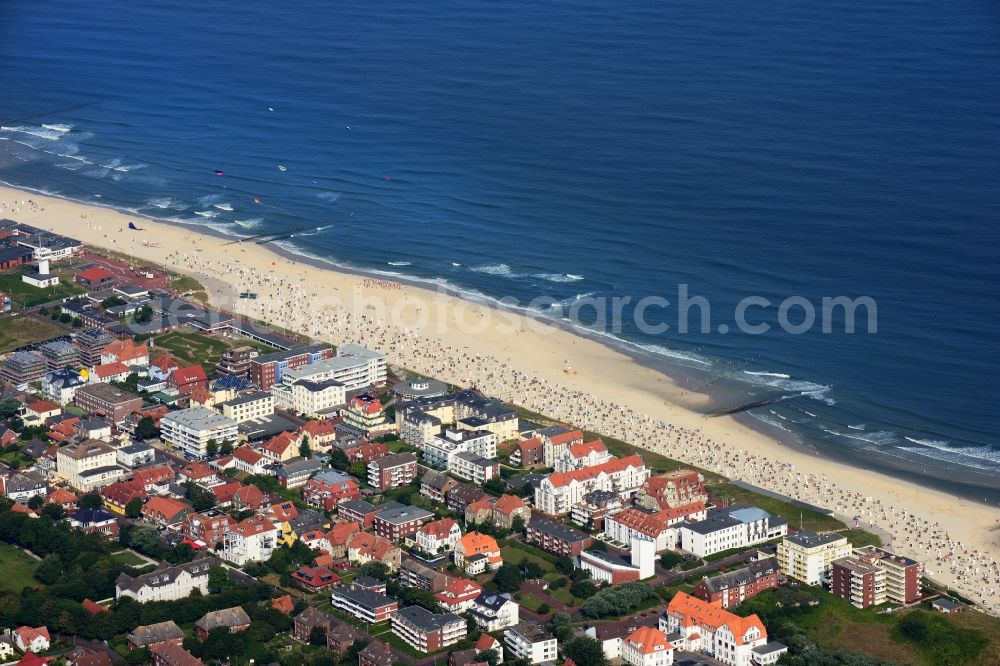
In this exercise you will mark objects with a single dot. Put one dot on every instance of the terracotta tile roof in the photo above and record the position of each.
(340, 533)
(481, 504)
(508, 504)
(195, 470)
(164, 362)
(319, 428)
(225, 492)
(40, 406)
(61, 496)
(486, 642)
(648, 640)
(165, 506)
(247, 455)
(559, 479)
(253, 526)
(476, 543)
(280, 443)
(250, 497)
(284, 512)
(283, 603)
(110, 369)
(151, 475)
(370, 544)
(695, 612)
(439, 529)
(584, 449)
(565, 437)
(458, 589)
(94, 608)
(192, 373)
(95, 273)
(530, 444)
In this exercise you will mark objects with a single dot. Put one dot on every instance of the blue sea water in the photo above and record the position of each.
(585, 149)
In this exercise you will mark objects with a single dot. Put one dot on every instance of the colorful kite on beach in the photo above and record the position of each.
(218, 172)
(131, 225)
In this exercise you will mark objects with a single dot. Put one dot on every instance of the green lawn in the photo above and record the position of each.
(17, 331)
(810, 520)
(24, 295)
(530, 602)
(859, 538)
(192, 347)
(18, 567)
(127, 558)
(512, 554)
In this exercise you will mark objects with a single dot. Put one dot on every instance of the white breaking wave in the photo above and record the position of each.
(252, 223)
(779, 375)
(559, 277)
(769, 420)
(859, 426)
(785, 383)
(223, 206)
(41, 132)
(207, 213)
(493, 269)
(980, 457)
(878, 438)
(328, 196)
(455, 263)
(399, 263)
(57, 127)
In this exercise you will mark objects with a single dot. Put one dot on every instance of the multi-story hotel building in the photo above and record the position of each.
(560, 491)
(191, 429)
(807, 556)
(426, 631)
(88, 465)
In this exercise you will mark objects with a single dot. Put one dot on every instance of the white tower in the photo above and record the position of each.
(644, 556)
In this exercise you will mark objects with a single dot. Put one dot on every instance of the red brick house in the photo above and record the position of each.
(186, 380)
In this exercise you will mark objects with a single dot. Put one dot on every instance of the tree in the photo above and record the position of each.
(508, 578)
(564, 565)
(211, 447)
(201, 499)
(304, 449)
(77, 322)
(219, 579)
(670, 559)
(65, 318)
(140, 655)
(598, 546)
(226, 448)
(318, 635)
(53, 511)
(560, 626)
(146, 540)
(339, 460)
(495, 486)
(516, 524)
(146, 428)
(583, 589)
(91, 501)
(112, 301)
(35, 502)
(376, 570)
(544, 609)
(50, 570)
(9, 408)
(134, 508)
(145, 315)
(585, 651)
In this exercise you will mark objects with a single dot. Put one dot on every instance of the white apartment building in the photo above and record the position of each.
(439, 536)
(560, 491)
(493, 612)
(532, 642)
(250, 406)
(310, 398)
(190, 430)
(733, 527)
(584, 454)
(475, 468)
(253, 540)
(647, 646)
(354, 367)
(706, 627)
(166, 582)
(440, 450)
(807, 557)
(89, 465)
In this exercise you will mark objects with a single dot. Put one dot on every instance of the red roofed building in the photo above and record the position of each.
(501, 511)
(560, 491)
(110, 372)
(367, 452)
(676, 488)
(658, 526)
(281, 447)
(647, 646)
(125, 351)
(118, 495)
(247, 460)
(65, 430)
(163, 366)
(195, 472)
(327, 490)
(476, 552)
(315, 579)
(165, 510)
(321, 434)
(253, 540)
(439, 536)
(94, 608)
(710, 628)
(62, 497)
(95, 278)
(208, 528)
(224, 492)
(339, 536)
(364, 547)
(582, 454)
(284, 603)
(154, 476)
(249, 498)
(32, 639)
(554, 445)
(186, 380)
(458, 594)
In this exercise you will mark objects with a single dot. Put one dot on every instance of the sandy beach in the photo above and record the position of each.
(543, 368)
